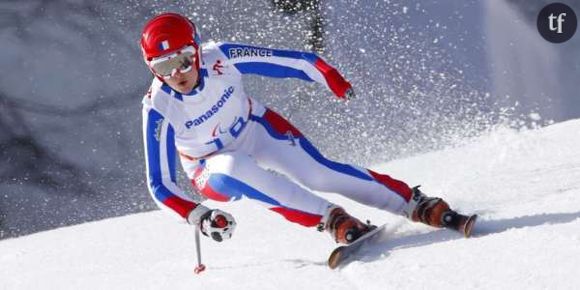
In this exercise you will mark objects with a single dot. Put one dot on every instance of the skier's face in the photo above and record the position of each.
(177, 69)
(183, 82)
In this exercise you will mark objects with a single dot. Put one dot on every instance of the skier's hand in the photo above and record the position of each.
(214, 223)
(218, 225)
(349, 95)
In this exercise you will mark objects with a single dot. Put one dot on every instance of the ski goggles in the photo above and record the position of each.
(181, 61)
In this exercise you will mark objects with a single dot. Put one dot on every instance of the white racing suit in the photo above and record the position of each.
(226, 141)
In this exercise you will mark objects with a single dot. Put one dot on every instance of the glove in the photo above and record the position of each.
(213, 223)
(349, 94)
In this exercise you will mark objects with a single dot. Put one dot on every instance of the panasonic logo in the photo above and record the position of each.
(214, 109)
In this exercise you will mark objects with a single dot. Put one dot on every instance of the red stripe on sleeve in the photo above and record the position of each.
(338, 85)
(181, 206)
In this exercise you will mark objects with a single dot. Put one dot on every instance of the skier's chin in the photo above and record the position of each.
(183, 87)
(183, 83)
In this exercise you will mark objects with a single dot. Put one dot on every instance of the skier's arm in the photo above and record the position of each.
(160, 161)
(286, 64)
(160, 155)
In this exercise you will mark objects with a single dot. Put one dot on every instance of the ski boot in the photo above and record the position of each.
(344, 228)
(435, 212)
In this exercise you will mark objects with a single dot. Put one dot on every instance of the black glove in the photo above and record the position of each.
(349, 95)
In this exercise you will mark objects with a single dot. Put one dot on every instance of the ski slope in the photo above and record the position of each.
(525, 186)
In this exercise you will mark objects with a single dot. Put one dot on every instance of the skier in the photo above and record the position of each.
(197, 109)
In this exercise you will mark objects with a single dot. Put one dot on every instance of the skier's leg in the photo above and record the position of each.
(289, 152)
(286, 150)
(229, 176)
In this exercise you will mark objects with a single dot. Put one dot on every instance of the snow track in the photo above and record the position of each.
(524, 185)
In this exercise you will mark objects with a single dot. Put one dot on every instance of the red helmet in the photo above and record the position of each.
(167, 33)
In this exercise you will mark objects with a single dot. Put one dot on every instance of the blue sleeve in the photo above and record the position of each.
(160, 155)
(278, 63)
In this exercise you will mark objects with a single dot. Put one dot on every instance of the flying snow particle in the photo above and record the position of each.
(535, 116)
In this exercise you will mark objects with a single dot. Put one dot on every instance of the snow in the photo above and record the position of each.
(525, 185)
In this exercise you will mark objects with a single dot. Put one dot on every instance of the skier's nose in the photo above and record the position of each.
(176, 74)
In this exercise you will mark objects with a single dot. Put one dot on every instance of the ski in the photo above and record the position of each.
(461, 223)
(342, 253)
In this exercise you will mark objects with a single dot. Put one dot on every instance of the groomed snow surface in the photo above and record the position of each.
(524, 185)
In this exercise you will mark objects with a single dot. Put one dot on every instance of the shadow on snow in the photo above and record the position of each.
(386, 243)
(380, 248)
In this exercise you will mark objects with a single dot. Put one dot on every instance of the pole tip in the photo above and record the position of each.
(200, 268)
